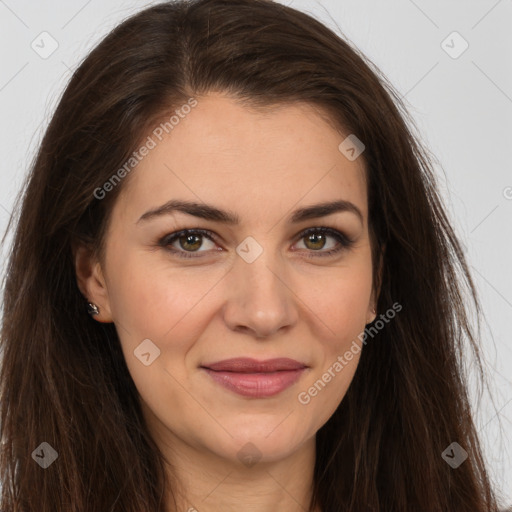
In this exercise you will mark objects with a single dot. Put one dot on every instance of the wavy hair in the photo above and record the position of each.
(63, 378)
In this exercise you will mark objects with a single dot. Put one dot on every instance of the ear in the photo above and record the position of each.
(91, 281)
(377, 287)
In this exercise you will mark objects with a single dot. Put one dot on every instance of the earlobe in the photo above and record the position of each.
(91, 283)
(372, 316)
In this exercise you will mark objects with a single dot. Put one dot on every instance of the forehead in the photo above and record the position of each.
(258, 163)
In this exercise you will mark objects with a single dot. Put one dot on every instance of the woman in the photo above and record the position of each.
(273, 287)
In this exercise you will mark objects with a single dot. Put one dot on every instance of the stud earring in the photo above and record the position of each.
(92, 309)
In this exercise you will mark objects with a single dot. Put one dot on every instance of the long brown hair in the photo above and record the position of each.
(63, 378)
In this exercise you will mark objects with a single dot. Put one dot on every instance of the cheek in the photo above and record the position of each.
(150, 298)
(340, 302)
(340, 299)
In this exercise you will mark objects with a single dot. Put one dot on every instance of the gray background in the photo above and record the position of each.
(462, 107)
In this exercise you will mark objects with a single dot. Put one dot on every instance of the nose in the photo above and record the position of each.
(260, 301)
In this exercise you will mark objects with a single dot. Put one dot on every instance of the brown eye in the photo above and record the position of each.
(317, 239)
(190, 242)
(186, 243)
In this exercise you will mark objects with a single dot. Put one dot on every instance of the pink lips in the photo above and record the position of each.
(256, 379)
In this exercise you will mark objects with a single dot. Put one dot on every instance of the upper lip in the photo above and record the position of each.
(248, 365)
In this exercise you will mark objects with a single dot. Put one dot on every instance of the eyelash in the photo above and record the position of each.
(344, 242)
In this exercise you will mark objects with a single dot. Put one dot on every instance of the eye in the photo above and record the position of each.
(186, 243)
(316, 240)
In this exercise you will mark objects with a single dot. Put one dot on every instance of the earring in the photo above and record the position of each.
(92, 309)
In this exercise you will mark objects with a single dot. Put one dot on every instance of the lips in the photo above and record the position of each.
(255, 379)
(248, 365)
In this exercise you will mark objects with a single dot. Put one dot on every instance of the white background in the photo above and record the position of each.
(462, 106)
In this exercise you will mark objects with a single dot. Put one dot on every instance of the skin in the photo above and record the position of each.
(262, 166)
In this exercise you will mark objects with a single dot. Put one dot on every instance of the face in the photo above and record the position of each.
(260, 275)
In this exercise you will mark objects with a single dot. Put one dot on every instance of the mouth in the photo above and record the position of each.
(256, 379)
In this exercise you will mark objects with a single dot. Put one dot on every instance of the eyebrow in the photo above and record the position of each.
(209, 212)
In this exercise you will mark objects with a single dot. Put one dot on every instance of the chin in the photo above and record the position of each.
(269, 438)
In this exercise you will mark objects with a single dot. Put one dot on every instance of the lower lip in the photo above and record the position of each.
(256, 385)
